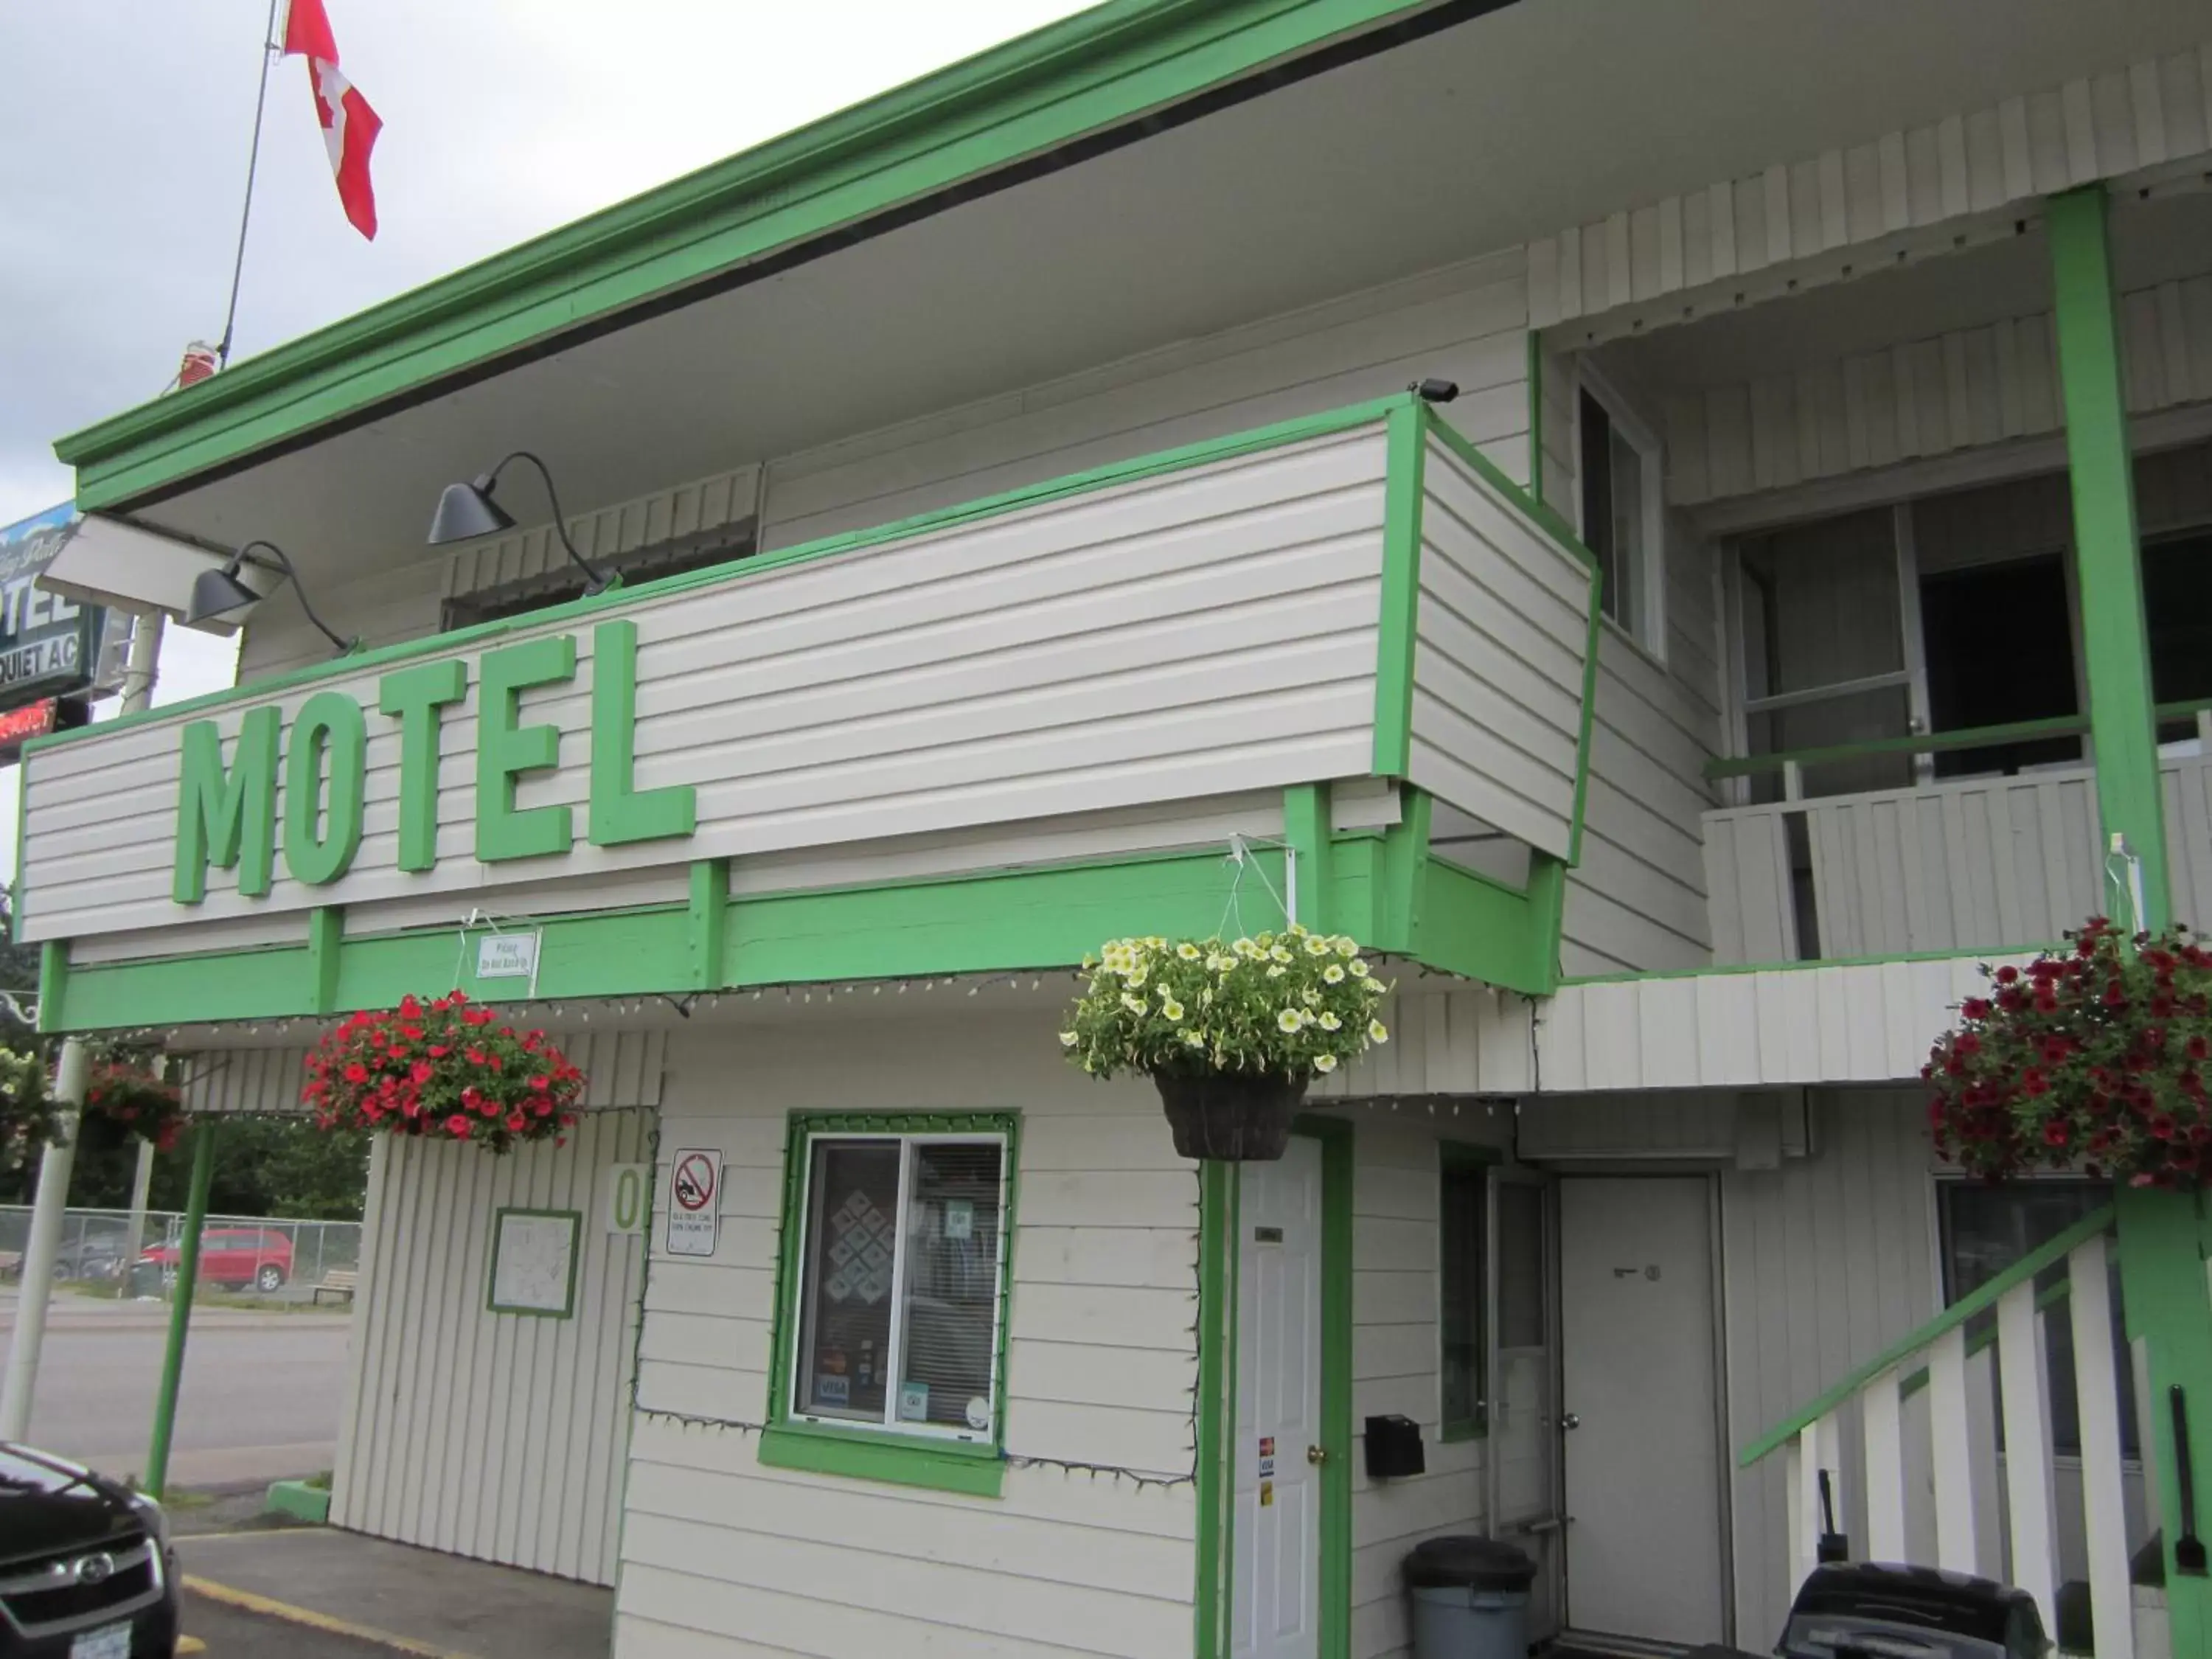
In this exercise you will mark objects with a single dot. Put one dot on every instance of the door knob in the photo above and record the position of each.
(1570, 1421)
(1317, 1455)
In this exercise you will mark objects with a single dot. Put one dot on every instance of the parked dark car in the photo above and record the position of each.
(86, 1569)
(97, 1254)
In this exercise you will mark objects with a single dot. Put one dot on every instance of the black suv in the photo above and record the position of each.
(86, 1569)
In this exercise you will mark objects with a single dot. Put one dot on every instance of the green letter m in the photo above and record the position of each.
(227, 818)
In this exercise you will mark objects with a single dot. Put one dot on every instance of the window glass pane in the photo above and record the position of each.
(2178, 604)
(1597, 499)
(851, 1236)
(1464, 1228)
(1521, 1316)
(950, 1292)
(1625, 573)
(1985, 1230)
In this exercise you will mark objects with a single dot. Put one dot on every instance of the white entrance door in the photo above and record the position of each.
(1276, 1597)
(1638, 1405)
(1524, 1427)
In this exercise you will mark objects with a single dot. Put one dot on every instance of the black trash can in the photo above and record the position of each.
(1868, 1608)
(1470, 1599)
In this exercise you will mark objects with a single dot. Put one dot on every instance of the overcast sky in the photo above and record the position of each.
(124, 132)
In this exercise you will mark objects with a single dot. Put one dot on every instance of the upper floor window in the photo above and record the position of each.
(1617, 464)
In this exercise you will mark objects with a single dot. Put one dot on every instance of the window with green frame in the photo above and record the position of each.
(889, 1350)
(1463, 1230)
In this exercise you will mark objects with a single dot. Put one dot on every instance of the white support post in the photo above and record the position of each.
(1800, 1526)
(142, 1186)
(2029, 1455)
(1950, 1431)
(2104, 1506)
(47, 1210)
(1883, 1415)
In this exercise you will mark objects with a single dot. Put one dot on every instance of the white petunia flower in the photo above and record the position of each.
(1345, 946)
(1324, 1063)
(1377, 1031)
(1173, 1010)
(1316, 945)
(1333, 974)
(1329, 1022)
(1289, 1022)
(1358, 969)
(1188, 952)
(1277, 971)
(1067, 1039)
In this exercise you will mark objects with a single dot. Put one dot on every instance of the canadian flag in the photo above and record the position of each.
(350, 125)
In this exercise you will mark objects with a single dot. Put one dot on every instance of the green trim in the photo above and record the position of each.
(1403, 878)
(1336, 1138)
(181, 1308)
(1718, 971)
(1481, 929)
(53, 980)
(1308, 826)
(1536, 416)
(1462, 1158)
(2162, 1265)
(903, 1461)
(621, 812)
(706, 916)
(2100, 474)
(325, 943)
(1399, 617)
(1544, 517)
(326, 776)
(1931, 743)
(1164, 462)
(886, 1454)
(1092, 73)
(417, 697)
(299, 1500)
(1591, 662)
(505, 748)
(568, 1308)
(1979, 1300)
(1218, 1193)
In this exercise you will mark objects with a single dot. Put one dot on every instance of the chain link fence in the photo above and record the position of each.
(255, 1259)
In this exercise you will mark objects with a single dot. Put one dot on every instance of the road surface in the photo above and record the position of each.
(260, 1401)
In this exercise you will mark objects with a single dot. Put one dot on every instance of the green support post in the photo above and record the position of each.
(2100, 474)
(181, 1309)
(2161, 1234)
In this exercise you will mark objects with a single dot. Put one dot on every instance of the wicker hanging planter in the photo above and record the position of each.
(1235, 1116)
(1230, 1032)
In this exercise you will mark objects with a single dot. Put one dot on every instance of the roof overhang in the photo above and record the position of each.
(1105, 187)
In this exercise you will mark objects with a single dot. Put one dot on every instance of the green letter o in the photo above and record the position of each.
(330, 734)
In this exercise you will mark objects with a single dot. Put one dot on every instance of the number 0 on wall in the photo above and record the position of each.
(626, 1197)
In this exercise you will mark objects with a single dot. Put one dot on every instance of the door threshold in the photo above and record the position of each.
(1577, 1643)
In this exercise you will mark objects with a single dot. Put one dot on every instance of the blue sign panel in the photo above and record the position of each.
(49, 645)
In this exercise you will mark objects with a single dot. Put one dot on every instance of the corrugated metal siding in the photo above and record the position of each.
(620, 1069)
(1826, 1262)
(704, 504)
(1465, 1042)
(500, 1436)
(1924, 398)
(1396, 1315)
(1502, 633)
(1207, 630)
(1853, 209)
(722, 1555)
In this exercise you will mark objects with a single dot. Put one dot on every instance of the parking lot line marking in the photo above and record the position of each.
(247, 1601)
(189, 1645)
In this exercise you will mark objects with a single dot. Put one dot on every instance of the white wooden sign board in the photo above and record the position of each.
(534, 1263)
(694, 1194)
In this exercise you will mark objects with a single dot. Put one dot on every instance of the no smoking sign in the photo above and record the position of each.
(694, 1189)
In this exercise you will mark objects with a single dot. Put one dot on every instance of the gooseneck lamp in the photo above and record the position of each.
(218, 592)
(467, 511)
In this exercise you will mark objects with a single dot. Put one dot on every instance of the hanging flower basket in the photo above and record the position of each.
(2095, 1058)
(134, 1099)
(445, 1068)
(1230, 1032)
(28, 1120)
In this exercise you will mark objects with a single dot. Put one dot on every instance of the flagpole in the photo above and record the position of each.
(269, 52)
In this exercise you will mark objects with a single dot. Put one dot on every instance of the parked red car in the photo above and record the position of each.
(232, 1257)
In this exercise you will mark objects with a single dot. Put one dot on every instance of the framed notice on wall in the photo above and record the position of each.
(533, 1261)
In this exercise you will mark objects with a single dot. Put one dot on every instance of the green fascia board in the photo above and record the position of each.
(1088, 73)
(1483, 930)
(1178, 459)
(1980, 1300)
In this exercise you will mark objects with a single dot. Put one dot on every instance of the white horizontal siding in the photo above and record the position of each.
(1921, 398)
(1502, 635)
(498, 1437)
(725, 1555)
(1856, 208)
(1210, 629)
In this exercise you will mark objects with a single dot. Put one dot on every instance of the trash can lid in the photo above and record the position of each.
(1469, 1563)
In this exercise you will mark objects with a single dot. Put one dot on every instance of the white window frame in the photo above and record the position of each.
(1648, 634)
(795, 1309)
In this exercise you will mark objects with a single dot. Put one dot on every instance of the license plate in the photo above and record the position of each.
(109, 1642)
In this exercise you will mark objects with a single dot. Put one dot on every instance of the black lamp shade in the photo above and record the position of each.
(217, 592)
(466, 511)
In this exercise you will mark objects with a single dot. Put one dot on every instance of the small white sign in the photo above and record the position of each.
(695, 1190)
(959, 1219)
(508, 956)
(626, 1198)
(914, 1402)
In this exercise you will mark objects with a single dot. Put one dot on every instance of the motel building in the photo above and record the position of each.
(1026, 537)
